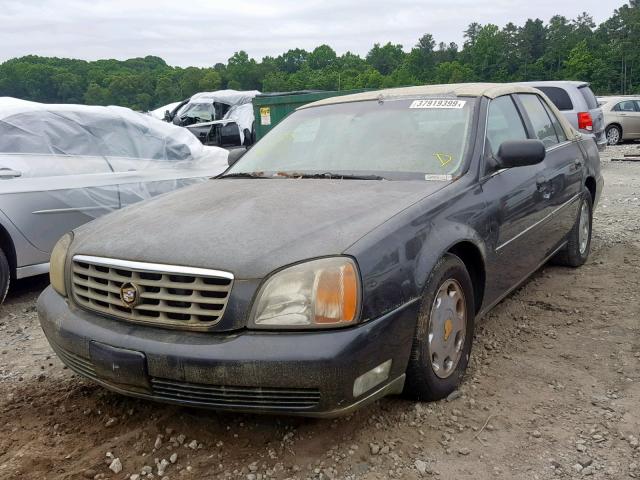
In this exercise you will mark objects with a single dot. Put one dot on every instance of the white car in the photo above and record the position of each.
(64, 165)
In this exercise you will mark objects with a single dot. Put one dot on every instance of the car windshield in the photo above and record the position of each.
(396, 139)
(202, 111)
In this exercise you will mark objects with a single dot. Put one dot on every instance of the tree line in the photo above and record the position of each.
(572, 49)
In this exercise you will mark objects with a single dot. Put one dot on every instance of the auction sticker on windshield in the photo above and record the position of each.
(437, 103)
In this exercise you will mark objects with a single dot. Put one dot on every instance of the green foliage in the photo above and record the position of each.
(576, 49)
(385, 59)
(322, 57)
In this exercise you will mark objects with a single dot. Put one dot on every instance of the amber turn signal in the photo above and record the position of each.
(336, 295)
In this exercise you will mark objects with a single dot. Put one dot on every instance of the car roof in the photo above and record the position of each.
(490, 90)
(557, 83)
(618, 98)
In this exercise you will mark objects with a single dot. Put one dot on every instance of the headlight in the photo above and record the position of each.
(322, 293)
(57, 263)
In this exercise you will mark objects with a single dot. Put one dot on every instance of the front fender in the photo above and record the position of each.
(395, 261)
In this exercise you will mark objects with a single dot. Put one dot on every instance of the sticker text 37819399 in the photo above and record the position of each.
(437, 103)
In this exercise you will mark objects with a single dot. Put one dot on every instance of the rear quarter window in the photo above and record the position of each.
(589, 97)
(559, 97)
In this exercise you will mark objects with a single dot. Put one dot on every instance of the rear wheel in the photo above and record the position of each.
(576, 252)
(444, 332)
(614, 135)
(5, 276)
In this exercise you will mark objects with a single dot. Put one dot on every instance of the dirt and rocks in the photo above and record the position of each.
(553, 391)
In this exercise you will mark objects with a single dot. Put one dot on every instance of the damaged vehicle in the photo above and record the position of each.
(161, 112)
(223, 118)
(64, 165)
(316, 276)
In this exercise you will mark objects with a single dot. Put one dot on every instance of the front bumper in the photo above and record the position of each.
(303, 373)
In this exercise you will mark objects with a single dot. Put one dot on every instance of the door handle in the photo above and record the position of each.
(542, 186)
(9, 173)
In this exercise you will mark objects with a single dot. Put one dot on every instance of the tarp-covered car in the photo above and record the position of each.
(63, 165)
(224, 118)
(344, 257)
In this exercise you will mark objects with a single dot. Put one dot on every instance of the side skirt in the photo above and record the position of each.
(31, 270)
(485, 310)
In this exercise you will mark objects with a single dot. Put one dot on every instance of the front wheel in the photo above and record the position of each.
(444, 332)
(5, 276)
(614, 135)
(576, 252)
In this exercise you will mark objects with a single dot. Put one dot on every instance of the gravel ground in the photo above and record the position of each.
(553, 391)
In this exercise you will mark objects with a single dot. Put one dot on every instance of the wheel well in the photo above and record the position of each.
(590, 183)
(473, 261)
(614, 125)
(7, 247)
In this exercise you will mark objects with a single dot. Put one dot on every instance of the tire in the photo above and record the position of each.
(576, 252)
(5, 276)
(425, 380)
(614, 135)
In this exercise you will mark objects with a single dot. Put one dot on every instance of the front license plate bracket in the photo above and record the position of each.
(119, 365)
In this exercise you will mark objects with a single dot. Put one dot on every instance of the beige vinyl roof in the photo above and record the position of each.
(490, 90)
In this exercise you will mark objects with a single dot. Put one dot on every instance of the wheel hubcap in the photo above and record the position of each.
(613, 136)
(447, 330)
(583, 228)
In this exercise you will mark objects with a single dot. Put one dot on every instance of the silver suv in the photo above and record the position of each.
(578, 104)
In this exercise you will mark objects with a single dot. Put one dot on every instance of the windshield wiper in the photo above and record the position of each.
(334, 176)
(243, 175)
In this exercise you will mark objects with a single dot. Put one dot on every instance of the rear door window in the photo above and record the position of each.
(589, 97)
(542, 125)
(558, 96)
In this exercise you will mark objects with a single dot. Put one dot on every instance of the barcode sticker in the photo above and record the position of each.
(438, 178)
(437, 103)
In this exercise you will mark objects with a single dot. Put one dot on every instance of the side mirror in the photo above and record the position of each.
(235, 155)
(520, 153)
(167, 116)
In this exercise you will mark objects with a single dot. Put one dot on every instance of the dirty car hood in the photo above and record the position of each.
(249, 226)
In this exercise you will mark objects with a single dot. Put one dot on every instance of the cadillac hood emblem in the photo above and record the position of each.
(130, 295)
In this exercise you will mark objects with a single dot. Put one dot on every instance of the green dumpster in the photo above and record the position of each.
(270, 108)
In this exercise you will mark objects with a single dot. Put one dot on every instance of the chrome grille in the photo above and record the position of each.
(168, 295)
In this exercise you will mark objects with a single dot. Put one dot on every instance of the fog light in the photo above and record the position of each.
(367, 381)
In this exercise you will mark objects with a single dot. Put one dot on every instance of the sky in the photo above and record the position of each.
(205, 32)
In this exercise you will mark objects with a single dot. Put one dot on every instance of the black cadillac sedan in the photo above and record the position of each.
(344, 257)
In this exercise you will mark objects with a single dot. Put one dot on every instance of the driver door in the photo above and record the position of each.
(514, 200)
